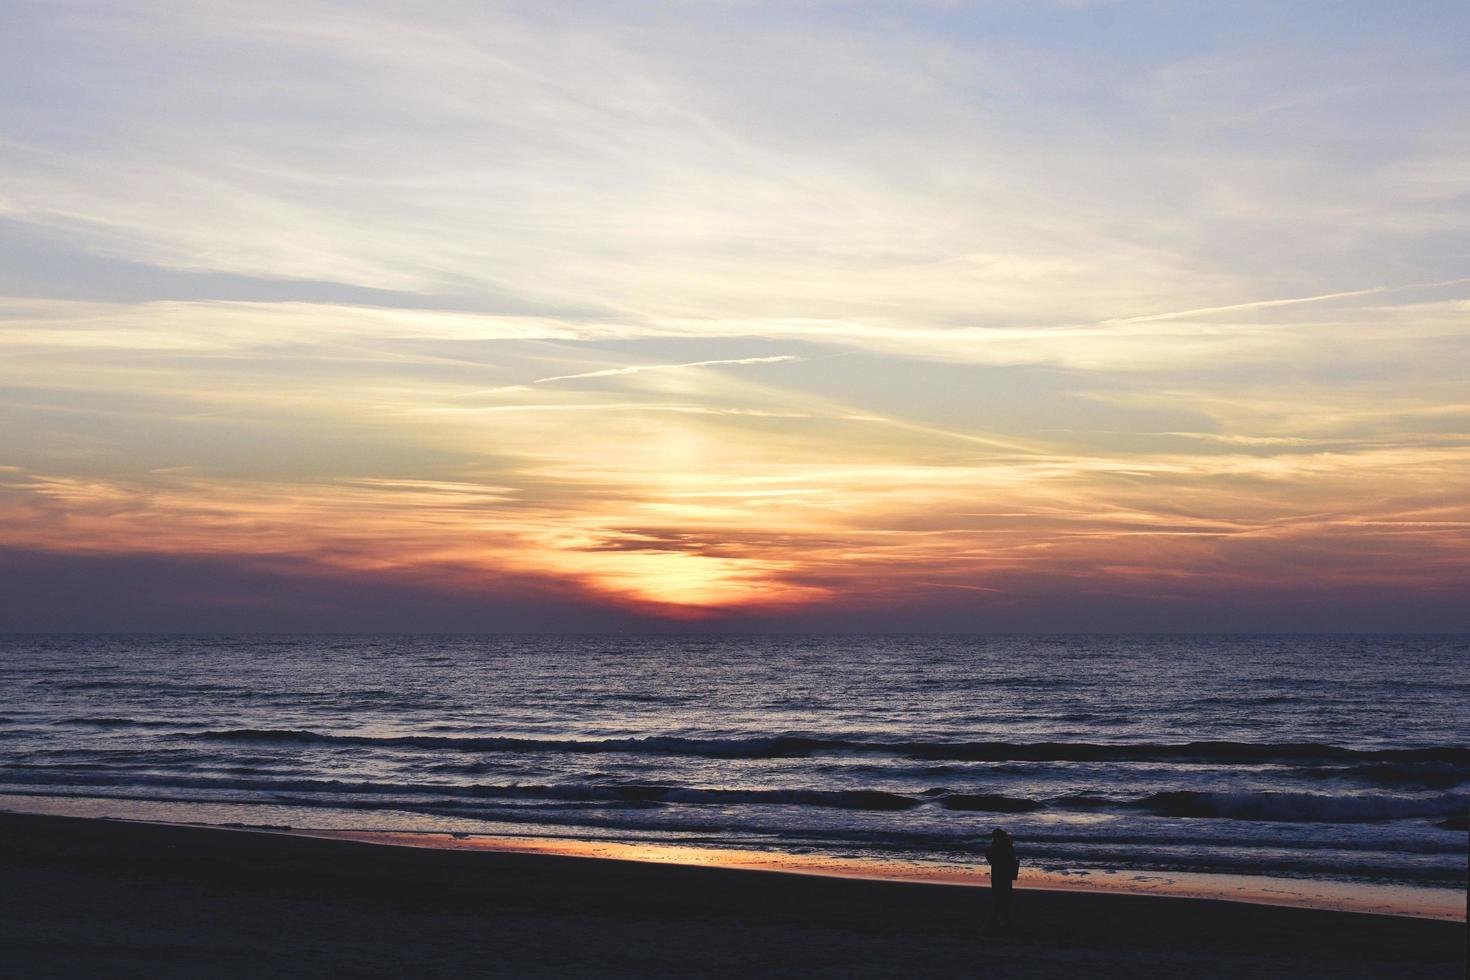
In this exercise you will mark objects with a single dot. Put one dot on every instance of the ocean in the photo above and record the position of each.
(1341, 760)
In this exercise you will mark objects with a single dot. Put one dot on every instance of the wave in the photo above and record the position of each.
(1299, 807)
(110, 722)
(1247, 700)
(850, 799)
(860, 799)
(989, 802)
(798, 746)
(1285, 807)
(149, 684)
(1409, 775)
(1326, 857)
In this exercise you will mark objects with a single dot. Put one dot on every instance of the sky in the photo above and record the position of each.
(731, 315)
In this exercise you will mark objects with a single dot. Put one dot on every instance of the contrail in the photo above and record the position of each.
(639, 368)
(1263, 304)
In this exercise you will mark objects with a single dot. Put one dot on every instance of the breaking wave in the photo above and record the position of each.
(1300, 807)
(798, 746)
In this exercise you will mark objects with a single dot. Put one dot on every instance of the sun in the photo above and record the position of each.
(688, 585)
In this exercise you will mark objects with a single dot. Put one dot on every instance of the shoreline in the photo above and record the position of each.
(1249, 889)
(1440, 904)
(170, 900)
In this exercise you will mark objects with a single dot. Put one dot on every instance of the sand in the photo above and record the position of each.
(99, 898)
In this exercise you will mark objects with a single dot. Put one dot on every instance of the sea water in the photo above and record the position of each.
(1341, 759)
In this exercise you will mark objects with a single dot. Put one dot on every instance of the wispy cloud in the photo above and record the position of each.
(318, 283)
(1267, 304)
(641, 368)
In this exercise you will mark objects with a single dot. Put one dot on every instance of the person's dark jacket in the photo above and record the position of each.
(1004, 864)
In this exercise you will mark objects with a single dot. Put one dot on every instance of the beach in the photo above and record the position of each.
(1328, 772)
(103, 898)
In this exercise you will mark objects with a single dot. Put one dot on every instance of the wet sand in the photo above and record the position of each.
(98, 898)
(1440, 903)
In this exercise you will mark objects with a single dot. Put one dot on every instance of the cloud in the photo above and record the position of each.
(1270, 303)
(641, 368)
(673, 165)
(1064, 311)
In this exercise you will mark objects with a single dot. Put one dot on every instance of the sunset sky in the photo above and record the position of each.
(735, 315)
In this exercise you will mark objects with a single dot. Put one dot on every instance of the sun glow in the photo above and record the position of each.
(619, 332)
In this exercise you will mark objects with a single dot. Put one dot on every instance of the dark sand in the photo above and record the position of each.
(95, 898)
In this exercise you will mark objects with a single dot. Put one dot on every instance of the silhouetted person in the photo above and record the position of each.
(1005, 867)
